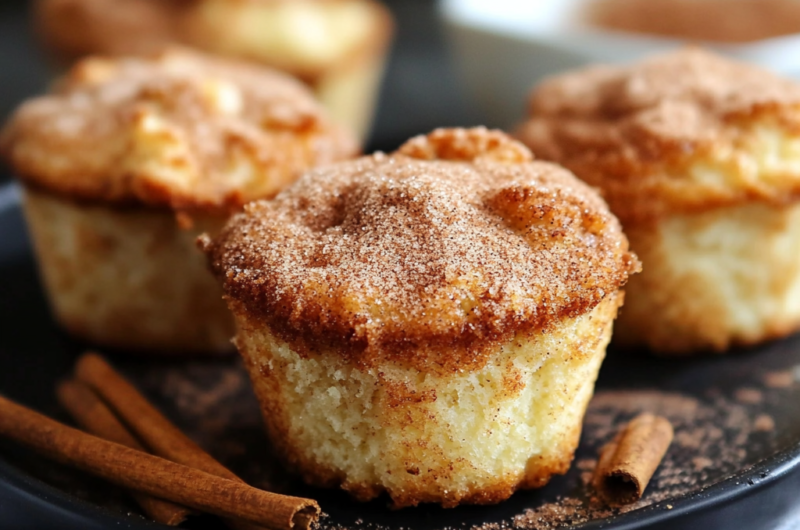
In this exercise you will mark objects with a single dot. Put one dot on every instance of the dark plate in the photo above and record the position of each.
(732, 464)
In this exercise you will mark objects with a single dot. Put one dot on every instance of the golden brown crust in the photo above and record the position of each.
(679, 132)
(179, 130)
(430, 261)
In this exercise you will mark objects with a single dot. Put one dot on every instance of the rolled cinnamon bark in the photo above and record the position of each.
(152, 475)
(153, 428)
(628, 462)
(92, 415)
(160, 435)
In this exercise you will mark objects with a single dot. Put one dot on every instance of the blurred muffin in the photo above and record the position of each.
(128, 160)
(428, 323)
(338, 47)
(699, 157)
(71, 29)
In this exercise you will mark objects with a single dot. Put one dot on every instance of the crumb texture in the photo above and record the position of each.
(680, 132)
(433, 255)
(128, 278)
(473, 437)
(714, 280)
(179, 130)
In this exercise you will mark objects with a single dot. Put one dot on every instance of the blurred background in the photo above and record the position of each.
(452, 62)
(419, 91)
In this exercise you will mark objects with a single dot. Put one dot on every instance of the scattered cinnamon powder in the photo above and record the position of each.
(764, 422)
(749, 396)
(783, 379)
(712, 440)
(701, 462)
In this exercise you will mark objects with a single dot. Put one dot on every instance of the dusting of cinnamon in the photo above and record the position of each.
(764, 423)
(749, 396)
(680, 132)
(784, 379)
(178, 130)
(431, 255)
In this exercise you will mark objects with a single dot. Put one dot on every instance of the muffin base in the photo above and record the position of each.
(713, 280)
(468, 437)
(128, 278)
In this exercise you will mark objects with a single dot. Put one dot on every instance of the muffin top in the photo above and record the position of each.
(71, 29)
(679, 132)
(180, 130)
(453, 244)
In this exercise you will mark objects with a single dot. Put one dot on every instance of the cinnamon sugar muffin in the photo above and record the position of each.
(338, 47)
(699, 157)
(128, 160)
(428, 323)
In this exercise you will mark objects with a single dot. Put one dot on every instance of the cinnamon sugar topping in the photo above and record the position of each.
(679, 131)
(399, 255)
(180, 130)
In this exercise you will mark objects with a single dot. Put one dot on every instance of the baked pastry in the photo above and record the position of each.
(428, 323)
(72, 29)
(338, 47)
(128, 160)
(699, 157)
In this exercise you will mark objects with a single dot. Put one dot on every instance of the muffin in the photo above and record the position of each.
(428, 323)
(127, 160)
(699, 158)
(338, 47)
(72, 29)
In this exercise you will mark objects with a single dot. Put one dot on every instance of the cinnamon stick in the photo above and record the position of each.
(147, 422)
(92, 415)
(150, 474)
(627, 463)
(159, 434)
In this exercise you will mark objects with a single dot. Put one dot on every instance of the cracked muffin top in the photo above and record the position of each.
(432, 254)
(178, 130)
